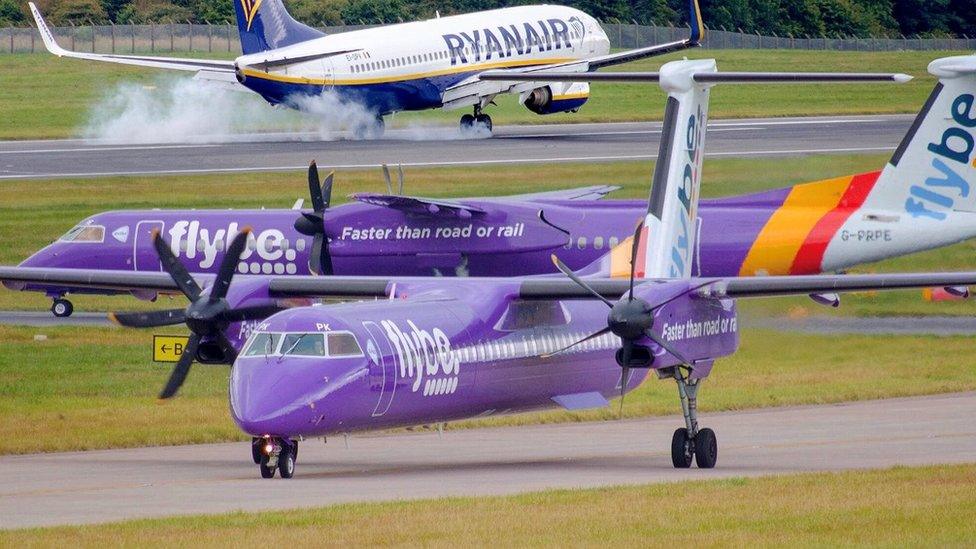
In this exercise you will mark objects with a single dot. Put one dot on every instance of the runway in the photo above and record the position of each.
(444, 147)
(100, 486)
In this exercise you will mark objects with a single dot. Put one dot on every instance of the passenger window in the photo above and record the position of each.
(343, 344)
(613, 242)
(598, 243)
(581, 243)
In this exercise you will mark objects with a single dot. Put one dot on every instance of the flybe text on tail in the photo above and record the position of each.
(952, 155)
(505, 41)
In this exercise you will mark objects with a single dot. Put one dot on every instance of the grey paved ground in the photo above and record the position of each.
(88, 487)
(511, 144)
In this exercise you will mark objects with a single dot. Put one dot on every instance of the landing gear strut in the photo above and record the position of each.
(690, 442)
(478, 121)
(275, 454)
(62, 308)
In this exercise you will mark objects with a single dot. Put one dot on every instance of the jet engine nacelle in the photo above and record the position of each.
(556, 97)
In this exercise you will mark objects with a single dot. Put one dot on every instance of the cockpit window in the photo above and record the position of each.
(343, 344)
(263, 344)
(85, 233)
(310, 344)
(303, 345)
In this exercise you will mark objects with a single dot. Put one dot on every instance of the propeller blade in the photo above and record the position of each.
(315, 256)
(327, 191)
(389, 182)
(633, 257)
(580, 342)
(400, 177)
(149, 319)
(568, 272)
(667, 347)
(315, 188)
(254, 312)
(310, 224)
(181, 369)
(230, 353)
(624, 378)
(229, 265)
(176, 270)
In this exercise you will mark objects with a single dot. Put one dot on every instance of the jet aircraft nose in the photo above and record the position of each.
(287, 396)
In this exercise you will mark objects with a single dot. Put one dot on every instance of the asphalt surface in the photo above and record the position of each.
(445, 147)
(896, 325)
(100, 486)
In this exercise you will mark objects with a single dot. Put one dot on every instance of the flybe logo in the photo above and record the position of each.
(424, 357)
(250, 10)
(681, 248)
(953, 153)
(265, 253)
(501, 42)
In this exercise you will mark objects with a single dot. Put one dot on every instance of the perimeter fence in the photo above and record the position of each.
(188, 37)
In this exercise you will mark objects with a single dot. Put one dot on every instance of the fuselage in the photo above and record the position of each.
(409, 66)
(447, 353)
(785, 231)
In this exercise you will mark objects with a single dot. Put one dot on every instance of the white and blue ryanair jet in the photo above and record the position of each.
(410, 66)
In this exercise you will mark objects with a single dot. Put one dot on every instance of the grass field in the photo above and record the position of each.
(926, 506)
(47, 97)
(22, 206)
(87, 388)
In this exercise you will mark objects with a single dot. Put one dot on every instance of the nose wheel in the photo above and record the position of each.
(275, 454)
(690, 443)
(62, 308)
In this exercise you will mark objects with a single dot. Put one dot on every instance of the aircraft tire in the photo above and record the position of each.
(266, 472)
(682, 449)
(483, 121)
(706, 449)
(62, 308)
(467, 122)
(286, 462)
(256, 450)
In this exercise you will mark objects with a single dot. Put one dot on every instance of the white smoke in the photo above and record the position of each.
(181, 110)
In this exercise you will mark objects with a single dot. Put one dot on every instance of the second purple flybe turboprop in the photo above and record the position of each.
(427, 350)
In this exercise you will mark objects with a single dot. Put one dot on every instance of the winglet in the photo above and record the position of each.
(46, 35)
(695, 22)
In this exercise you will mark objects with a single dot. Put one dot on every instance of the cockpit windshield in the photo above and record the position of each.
(303, 344)
(85, 233)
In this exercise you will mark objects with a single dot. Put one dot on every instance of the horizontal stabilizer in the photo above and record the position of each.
(595, 192)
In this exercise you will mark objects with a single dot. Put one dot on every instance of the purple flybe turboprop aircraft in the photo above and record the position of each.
(804, 229)
(428, 350)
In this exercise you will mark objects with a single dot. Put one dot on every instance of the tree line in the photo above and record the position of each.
(798, 18)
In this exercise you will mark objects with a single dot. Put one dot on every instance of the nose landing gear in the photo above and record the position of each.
(275, 454)
(62, 308)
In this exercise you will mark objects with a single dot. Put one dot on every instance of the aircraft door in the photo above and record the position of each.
(328, 71)
(144, 257)
(382, 369)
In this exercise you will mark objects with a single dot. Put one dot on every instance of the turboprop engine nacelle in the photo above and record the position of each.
(557, 97)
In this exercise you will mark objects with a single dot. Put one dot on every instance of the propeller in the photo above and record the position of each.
(313, 223)
(630, 319)
(389, 180)
(206, 316)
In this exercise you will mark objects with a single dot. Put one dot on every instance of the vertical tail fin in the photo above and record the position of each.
(933, 170)
(667, 240)
(267, 25)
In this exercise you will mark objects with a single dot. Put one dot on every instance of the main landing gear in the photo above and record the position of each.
(478, 121)
(274, 454)
(690, 442)
(62, 308)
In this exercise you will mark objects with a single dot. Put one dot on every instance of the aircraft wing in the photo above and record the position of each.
(420, 206)
(594, 192)
(174, 63)
(769, 286)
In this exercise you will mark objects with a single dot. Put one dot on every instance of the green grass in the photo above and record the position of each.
(22, 207)
(899, 507)
(47, 97)
(87, 388)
